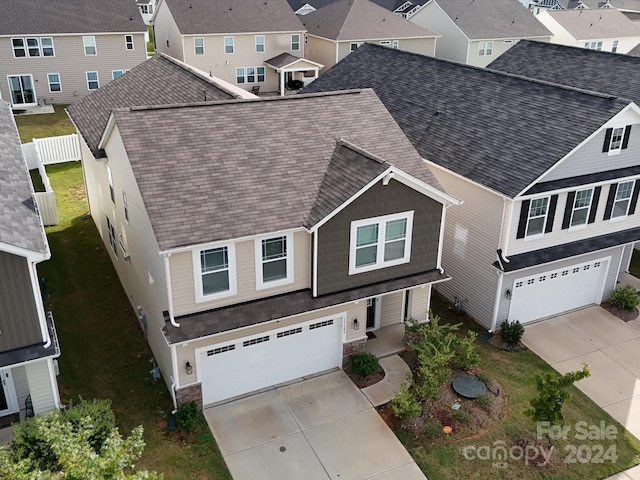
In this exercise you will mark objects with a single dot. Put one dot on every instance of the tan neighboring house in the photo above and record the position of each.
(476, 33)
(63, 50)
(337, 29)
(605, 29)
(256, 45)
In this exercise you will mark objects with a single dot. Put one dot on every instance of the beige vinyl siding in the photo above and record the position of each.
(500, 45)
(223, 65)
(21, 386)
(453, 43)
(472, 234)
(165, 28)
(186, 351)
(142, 275)
(321, 50)
(424, 46)
(71, 64)
(560, 35)
(391, 308)
(39, 378)
(419, 303)
(182, 276)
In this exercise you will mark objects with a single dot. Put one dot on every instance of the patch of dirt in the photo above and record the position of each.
(362, 382)
(626, 315)
(497, 342)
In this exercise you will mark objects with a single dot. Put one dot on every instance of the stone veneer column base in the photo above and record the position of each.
(192, 393)
(348, 349)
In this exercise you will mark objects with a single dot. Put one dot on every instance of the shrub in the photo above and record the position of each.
(432, 427)
(462, 416)
(188, 416)
(465, 354)
(404, 404)
(624, 297)
(511, 332)
(103, 420)
(364, 363)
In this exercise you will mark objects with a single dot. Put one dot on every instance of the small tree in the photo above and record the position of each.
(624, 297)
(547, 406)
(364, 363)
(404, 404)
(511, 332)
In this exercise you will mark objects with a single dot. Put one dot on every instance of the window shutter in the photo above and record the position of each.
(594, 204)
(625, 139)
(634, 198)
(607, 140)
(610, 199)
(551, 213)
(568, 209)
(524, 216)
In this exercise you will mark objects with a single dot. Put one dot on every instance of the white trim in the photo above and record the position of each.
(167, 276)
(586, 218)
(42, 317)
(315, 264)
(544, 221)
(97, 80)
(28, 254)
(59, 82)
(496, 302)
(84, 45)
(231, 271)
(126, 43)
(9, 389)
(289, 258)
(506, 232)
(54, 382)
(195, 51)
(615, 200)
(224, 45)
(441, 239)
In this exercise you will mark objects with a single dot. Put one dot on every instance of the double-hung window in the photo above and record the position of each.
(89, 42)
(215, 272)
(112, 193)
(295, 42)
(250, 74)
(54, 82)
(537, 216)
(485, 49)
(614, 47)
(259, 43)
(615, 144)
(92, 81)
(19, 50)
(32, 47)
(581, 206)
(198, 45)
(228, 44)
(354, 46)
(46, 43)
(622, 199)
(380, 242)
(274, 260)
(128, 42)
(112, 236)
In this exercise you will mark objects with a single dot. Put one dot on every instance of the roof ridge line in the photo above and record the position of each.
(351, 146)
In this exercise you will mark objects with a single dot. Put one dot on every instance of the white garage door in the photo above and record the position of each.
(556, 291)
(251, 363)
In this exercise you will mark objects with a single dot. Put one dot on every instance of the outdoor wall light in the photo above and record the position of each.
(188, 368)
(507, 294)
(356, 324)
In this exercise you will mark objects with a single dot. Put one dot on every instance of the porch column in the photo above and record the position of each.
(281, 83)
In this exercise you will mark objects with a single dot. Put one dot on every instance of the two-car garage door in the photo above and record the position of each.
(233, 368)
(556, 291)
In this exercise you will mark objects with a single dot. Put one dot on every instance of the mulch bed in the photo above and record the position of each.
(626, 315)
(362, 382)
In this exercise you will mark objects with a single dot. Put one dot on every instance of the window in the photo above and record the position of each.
(581, 206)
(146, 9)
(485, 49)
(125, 205)
(54, 82)
(228, 44)
(355, 45)
(112, 237)
(537, 216)
(385, 43)
(32, 47)
(250, 74)
(274, 261)
(259, 43)
(92, 81)
(295, 42)
(47, 47)
(128, 42)
(395, 44)
(593, 45)
(622, 199)
(198, 45)
(89, 43)
(380, 242)
(614, 47)
(112, 193)
(117, 73)
(19, 50)
(215, 272)
(616, 139)
(240, 75)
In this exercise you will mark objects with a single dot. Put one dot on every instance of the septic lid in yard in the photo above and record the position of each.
(469, 387)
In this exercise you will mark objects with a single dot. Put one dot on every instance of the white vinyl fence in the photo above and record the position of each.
(49, 151)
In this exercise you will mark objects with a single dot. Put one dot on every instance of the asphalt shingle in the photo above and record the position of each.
(588, 24)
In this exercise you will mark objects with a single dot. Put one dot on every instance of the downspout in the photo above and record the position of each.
(169, 292)
(506, 233)
(33, 273)
(496, 302)
(315, 263)
(441, 238)
(174, 384)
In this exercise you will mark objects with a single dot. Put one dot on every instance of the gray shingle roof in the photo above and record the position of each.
(22, 17)
(487, 19)
(595, 24)
(298, 4)
(20, 225)
(490, 127)
(238, 168)
(233, 16)
(159, 80)
(604, 72)
(360, 20)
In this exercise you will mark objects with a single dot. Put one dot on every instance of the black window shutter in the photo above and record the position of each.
(551, 213)
(625, 139)
(607, 140)
(594, 204)
(524, 216)
(634, 198)
(610, 199)
(568, 209)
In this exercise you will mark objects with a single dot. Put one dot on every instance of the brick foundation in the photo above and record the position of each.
(192, 393)
(348, 349)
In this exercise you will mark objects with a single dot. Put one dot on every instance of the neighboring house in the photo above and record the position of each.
(302, 7)
(476, 33)
(255, 45)
(403, 8)
(597, 29)
(63, 50)
(264, 258)
(336, 30)
(147, 7)
(602, 72)
(537, 6)
(28, 342)
(548, 220)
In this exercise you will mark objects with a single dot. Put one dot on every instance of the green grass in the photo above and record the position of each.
(151, 48)
(515, 371)
(44, 125)
(36, 180)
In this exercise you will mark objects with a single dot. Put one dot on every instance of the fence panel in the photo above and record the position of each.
(30, 155)
(46, 202)
(61, 149)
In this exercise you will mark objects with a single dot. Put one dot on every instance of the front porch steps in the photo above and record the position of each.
(396, 372)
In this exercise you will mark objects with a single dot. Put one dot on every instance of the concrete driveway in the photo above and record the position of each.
(609, 345)
(316, 429)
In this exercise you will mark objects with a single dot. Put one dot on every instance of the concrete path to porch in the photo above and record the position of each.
(317, 429)
(396, 372)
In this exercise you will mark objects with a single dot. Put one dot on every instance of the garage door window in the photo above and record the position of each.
(274, 261)
(216, 272)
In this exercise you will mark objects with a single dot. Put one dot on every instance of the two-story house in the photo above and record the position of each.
(28, 342)
(258, 46)
(256, 259)
(337, 29)
(477, 32)
(596, 29)
(62, 50)
(548, 220)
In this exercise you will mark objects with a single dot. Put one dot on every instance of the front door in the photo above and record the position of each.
(372, 313)
(22, 90)
(8, 402)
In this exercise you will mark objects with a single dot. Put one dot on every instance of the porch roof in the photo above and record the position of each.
(287, 62)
